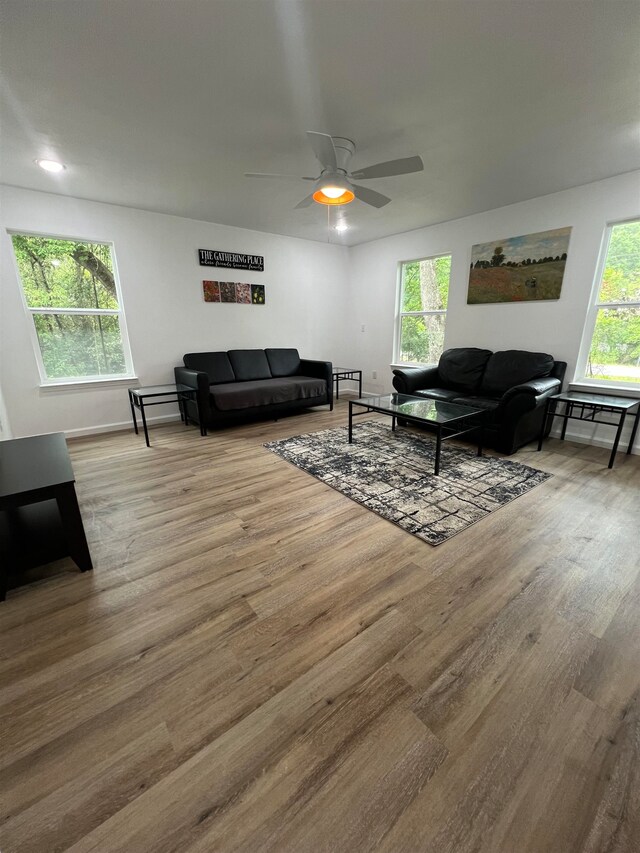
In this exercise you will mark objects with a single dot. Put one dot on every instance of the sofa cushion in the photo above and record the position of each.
(265, 392)
(435, 393)
(249, 364)
(488, 405)
(283, 362)
(215, 364)
(513, 367)
(461, 369)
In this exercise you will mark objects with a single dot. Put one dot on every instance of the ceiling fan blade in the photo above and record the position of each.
(267, 175)
(305, 202)
(324, 149)
(403, 166)
(371, 197)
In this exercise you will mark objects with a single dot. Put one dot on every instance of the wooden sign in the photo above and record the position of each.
(230, 260)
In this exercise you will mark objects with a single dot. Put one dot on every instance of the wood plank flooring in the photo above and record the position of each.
(259, 664)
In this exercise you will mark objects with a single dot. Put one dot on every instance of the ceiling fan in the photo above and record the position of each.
(335, 184)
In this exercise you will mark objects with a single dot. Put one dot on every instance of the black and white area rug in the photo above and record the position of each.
(392, 475)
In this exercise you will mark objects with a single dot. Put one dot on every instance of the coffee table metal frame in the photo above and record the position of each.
(179, 394)
(459, 425)
(579, 406)
(346, 373)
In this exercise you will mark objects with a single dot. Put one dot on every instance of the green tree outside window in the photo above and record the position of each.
(614, 355)
(423, 309)
(71, 293)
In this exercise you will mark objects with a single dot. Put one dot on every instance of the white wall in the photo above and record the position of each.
(318, 295)
(554, 326)
(166, 315)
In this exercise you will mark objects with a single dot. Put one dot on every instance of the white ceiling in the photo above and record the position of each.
(164, 104)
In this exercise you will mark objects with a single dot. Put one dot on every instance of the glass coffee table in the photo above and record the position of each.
(447, 420)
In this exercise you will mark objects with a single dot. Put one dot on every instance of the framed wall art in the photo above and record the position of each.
(519, 269)
(231, 291)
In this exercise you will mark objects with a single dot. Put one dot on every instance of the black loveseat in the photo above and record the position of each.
(249, 384)
(512, 386)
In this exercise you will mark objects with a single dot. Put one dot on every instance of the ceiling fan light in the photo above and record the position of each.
(324, 198)
(333, 191)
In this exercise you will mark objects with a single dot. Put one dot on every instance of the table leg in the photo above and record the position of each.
(350, 422)
(481, 438)
(617, 441)
(634, 430)
(393, 423)
(438, 449)
(133, 412)
(73, 526)
(144, 422)
(359, 383)
(568, 410)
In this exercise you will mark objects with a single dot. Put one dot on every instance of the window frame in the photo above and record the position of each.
(30, 312)
(397, 337)
(580, 375)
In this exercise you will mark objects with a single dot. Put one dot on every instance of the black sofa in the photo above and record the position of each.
(511, 386)
(249, 384)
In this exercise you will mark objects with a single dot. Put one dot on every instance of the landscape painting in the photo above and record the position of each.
(519, 269)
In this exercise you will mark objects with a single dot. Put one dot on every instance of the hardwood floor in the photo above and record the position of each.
(258, 663)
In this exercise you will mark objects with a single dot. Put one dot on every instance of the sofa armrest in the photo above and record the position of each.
(196, 379)
(199, 381)
(538, 388)
(406, 380)
(320, 370)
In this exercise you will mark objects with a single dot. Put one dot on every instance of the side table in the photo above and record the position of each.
(342, 373)
(139, 398)
(33, 470)
(579, 406)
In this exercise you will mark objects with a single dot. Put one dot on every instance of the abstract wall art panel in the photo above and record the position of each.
(236, 292)
(211, 291)
(227, 291)
(257, 294)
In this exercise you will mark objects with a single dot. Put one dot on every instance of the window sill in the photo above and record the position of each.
(403, 364)
(87, 384)
(600, 388)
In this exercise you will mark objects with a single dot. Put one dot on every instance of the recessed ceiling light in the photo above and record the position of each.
(342, 226)
(51, 165)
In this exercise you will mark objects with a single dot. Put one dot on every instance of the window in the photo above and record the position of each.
(424, 290)
(610, 351)
(72, 295)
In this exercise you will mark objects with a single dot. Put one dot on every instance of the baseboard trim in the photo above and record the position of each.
(118, 427)
(580, 438)
(555, 432)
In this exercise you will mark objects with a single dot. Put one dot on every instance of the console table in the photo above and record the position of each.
(38, 469)
(579, 406)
